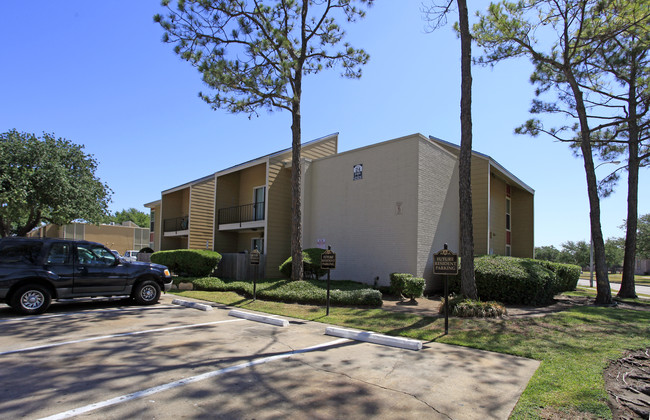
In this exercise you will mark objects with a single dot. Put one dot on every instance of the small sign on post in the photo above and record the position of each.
(328, 259)
(255, 261)
(328, 262)
(255, 257)
(445, 263)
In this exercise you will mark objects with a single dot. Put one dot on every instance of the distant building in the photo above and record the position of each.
(383, 208)
(642, 267)
(124, 237)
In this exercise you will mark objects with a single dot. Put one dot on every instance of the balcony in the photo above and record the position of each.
(178, 226)
(242, 217)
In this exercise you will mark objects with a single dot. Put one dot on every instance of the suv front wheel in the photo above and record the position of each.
(146, 292)
(31, 299)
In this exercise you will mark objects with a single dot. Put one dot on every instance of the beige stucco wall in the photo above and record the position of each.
(384, 222)
(176, 204)
(438, 209)
(497, 217)
(251, 178)
(523, 235)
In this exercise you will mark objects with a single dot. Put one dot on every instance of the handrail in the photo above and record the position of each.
(241, 214)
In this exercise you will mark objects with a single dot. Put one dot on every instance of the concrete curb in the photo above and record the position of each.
(194, 305)
(404, 343)
(260, 318)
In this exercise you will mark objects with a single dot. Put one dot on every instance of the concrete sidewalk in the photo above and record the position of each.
(363, 380)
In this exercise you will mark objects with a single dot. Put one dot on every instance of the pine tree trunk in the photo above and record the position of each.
(468, 283)
(603, 290)
(628, 289)
(296, 201)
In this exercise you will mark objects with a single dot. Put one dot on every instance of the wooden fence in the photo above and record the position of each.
(238, 267)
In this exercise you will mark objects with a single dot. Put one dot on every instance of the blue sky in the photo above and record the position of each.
(97, 73)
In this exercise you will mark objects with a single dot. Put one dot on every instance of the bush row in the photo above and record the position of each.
(189, 262)
(304, 291)
(519, 280)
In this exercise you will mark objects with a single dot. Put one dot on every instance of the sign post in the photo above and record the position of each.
(255, 260)
(445, 263)
(328, 262)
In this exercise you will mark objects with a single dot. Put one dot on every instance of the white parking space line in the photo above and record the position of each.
(88, 312)
(104, 337)
(186, 381)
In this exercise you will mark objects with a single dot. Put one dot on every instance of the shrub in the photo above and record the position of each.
(313, 291)
(310, 264)
(414, 287)
(512, 281)
(568, 274)
(461, 307)
(398, 282)
(190, 262)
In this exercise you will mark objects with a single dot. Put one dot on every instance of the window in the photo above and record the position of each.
(59, 254)
(258, 203)
(152, 217)
(20, 252)
(257, 243)
(90, 254)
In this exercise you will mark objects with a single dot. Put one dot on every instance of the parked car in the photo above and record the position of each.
(33, 271)
(131, 255)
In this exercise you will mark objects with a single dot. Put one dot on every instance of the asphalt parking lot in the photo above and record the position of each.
(112, 360)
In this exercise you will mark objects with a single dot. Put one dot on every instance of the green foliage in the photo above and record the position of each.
(643, 236)
(45, 179)
(568, 274)
(310, 262)
(513, 281)
(614, 252)
(306, 292)
(190, 262)
(577, 253)
(261, 52)
(547, 253)
(398, 282)
(414, 287)
(134, 215)
(468, 308)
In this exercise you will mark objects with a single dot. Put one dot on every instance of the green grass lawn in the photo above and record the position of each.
(573, 346)
(616, 278)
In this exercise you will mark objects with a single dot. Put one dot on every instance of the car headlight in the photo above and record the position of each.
(167, 273)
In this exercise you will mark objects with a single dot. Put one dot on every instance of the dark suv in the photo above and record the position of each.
(33, 271)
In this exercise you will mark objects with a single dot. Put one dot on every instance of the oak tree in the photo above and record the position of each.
(45, 179)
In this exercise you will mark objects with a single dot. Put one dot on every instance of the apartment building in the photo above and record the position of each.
(124, 237)
(382, 208)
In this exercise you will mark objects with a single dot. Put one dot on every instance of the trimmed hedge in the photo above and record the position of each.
(398, 282)
(308, 292)
(513, 281)
(461, 307)
(310, 264)
(414, 287)
(190, 262)
(568, 274)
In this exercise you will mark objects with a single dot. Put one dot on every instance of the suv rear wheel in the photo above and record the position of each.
(31, 299)
(146, 292)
